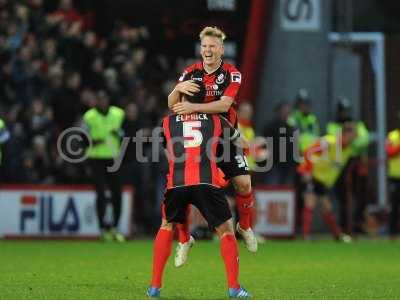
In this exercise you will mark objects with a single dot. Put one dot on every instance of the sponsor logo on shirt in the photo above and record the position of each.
(236, 77)
(212, 90)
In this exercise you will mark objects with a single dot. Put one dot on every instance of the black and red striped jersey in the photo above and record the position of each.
(225, 81)
(193, 144)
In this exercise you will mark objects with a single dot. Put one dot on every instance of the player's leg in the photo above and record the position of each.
(330, 220)
(214, 207)
(183, 229)
(230, 255)
(185, 241)
(310, 200)
(173, 210)
(245, 206)
(329, 217)
(161, 252)
(244, 199)
(236, 169)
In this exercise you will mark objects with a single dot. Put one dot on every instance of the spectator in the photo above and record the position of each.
(39, 168)
(65, 102)
(304, 120)
(132, 169)
(281, 154)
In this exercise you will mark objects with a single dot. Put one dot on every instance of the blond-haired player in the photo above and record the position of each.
(222, 82)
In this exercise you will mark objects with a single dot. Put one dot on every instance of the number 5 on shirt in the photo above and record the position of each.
(192, 134)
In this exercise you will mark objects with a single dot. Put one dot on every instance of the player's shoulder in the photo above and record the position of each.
(195, 66)
(235, 75)
(229, 67)
(188, 71)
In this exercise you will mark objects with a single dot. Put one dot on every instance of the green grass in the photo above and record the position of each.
(280, 270)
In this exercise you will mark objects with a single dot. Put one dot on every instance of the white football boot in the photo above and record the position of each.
(182, 251)
(249, 238)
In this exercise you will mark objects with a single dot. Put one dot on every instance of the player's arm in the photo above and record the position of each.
(187, 87)
(306, 167)
(233, 134)
(214, 107)
(220, 106)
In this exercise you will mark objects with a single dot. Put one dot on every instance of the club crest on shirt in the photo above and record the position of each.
(220, 79)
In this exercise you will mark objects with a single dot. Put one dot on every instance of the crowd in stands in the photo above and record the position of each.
(52, 64)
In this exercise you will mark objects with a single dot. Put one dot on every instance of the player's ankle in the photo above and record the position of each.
(244, 226)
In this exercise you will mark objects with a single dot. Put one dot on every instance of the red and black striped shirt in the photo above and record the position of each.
(225, 81)
(193, 142)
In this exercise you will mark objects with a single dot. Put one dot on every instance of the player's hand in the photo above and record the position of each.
(184, 107)
(187, 87)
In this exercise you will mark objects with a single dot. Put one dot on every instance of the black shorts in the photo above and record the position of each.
(316, 187)
(233, 163)
(209, 200)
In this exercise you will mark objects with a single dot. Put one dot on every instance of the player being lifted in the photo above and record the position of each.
(193, 143)
(222, 82)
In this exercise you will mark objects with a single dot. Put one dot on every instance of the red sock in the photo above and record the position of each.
(183, 233)
(244, 204)
(183, 229)
(330, 220)
(230, 254)
(307, 221)
(162, 250)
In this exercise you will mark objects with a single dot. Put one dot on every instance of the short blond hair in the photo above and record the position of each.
(213, 32)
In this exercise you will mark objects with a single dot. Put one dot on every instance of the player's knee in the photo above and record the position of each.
(225, 228)
(165, 225)
(242, 184)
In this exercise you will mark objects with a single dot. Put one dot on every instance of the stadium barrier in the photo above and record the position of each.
(55, 212)
(275, 211)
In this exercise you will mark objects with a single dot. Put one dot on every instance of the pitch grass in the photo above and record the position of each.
(280, 270)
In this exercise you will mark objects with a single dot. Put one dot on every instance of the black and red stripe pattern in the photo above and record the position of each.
(225, 81)
(191, 142)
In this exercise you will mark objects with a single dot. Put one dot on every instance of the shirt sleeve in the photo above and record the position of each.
(186, 74)
(234, 134)
(235, 79)
(316, 149)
